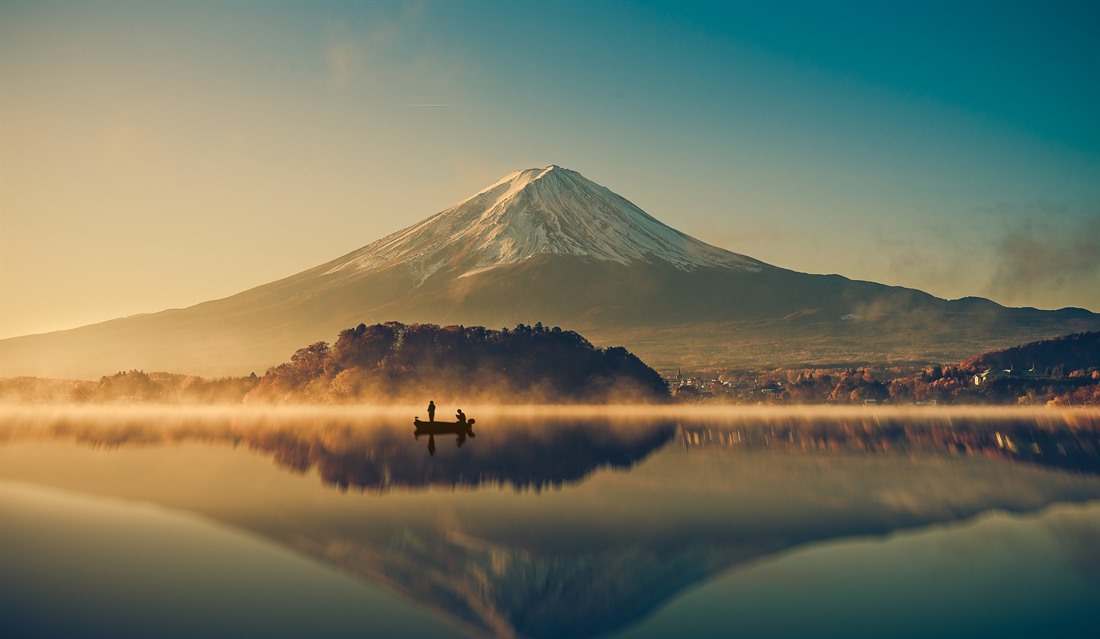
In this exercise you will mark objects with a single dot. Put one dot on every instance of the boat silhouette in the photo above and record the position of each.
(465, 428)
(461, 429)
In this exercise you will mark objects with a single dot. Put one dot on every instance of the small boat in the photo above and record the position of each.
(463, 429)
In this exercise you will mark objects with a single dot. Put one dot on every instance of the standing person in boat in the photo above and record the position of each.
(431, 410)
(461, 416)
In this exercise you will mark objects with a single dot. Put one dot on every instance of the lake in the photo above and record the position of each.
(132, 521)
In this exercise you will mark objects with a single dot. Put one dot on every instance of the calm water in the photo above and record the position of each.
(139, 522)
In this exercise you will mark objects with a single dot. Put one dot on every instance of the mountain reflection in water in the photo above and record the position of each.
(592, 552)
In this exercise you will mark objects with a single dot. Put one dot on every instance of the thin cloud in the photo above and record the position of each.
(345, 59)
(931, 259)
(349, 54)
(358, 56)
(1049, 254)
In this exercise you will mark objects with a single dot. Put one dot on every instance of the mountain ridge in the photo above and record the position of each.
(548, 245)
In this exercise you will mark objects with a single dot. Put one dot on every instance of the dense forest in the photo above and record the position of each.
(395, 362)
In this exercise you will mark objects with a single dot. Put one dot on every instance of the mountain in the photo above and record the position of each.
(548, 245)
(551, 211)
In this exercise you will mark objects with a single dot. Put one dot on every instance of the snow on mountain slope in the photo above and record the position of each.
(534, 212)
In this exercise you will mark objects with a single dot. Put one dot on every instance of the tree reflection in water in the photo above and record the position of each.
(1066, 442)
(529, 453)
(536, 455)
(379, 454)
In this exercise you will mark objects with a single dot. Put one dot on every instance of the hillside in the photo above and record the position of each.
(393, 361)
(1064, 371)
(1080, 351)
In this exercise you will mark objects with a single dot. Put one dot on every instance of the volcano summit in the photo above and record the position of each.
(548, 245)
(550, 211)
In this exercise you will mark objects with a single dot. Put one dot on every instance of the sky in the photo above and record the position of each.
(158, 155)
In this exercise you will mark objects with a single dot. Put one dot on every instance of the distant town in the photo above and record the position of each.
(929, 387)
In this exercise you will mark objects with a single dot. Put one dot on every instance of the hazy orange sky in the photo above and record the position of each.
(157, 155)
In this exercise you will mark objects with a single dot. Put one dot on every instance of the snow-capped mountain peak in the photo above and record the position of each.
(531, 212)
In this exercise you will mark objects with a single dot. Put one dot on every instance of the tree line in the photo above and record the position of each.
(133, 386)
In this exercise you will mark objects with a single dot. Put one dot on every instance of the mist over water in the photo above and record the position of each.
(41, 414)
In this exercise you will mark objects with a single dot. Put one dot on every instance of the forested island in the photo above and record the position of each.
(393, 362)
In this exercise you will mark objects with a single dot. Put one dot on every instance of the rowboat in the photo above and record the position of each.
(463, 429)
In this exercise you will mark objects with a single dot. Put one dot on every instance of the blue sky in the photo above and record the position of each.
(161, 154)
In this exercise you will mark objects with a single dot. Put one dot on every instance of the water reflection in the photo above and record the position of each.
(605, 549)
(998, 575)
(1055, 442)
(548, 453)
(380, 454)
(461, 429)
(375, 453)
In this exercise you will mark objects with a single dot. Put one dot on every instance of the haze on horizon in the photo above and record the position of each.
(157, 155)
